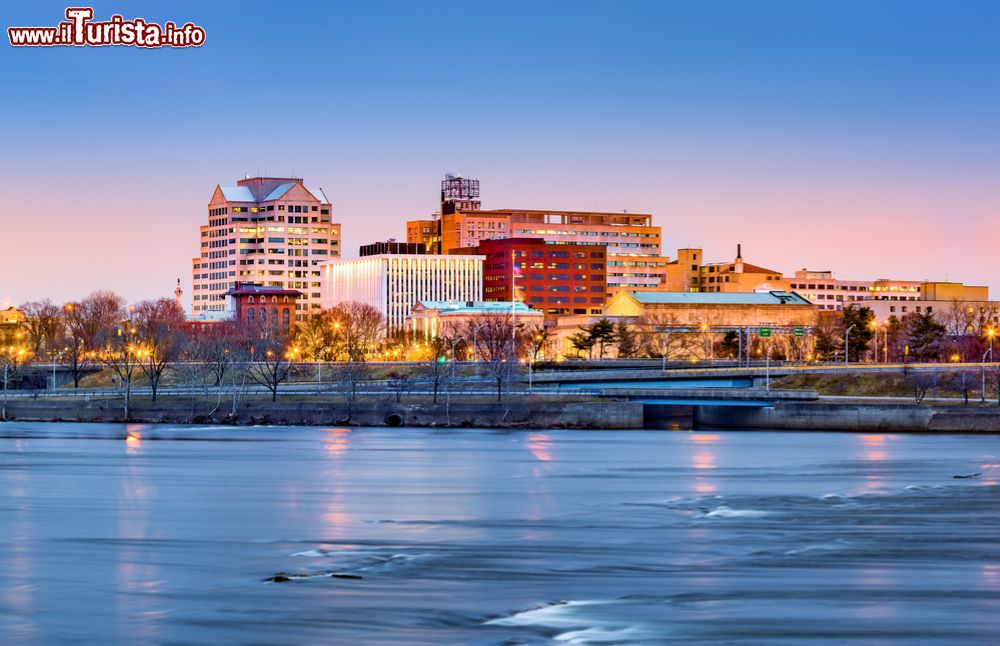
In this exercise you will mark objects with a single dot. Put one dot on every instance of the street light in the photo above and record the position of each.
(453, 357)
(985, 354)
(55, 357)
(847, 345)
(663, 348)
(874, 327)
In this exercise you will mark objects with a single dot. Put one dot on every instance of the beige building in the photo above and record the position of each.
(830, 293)
(268, 230)
(690, 273)
(11, 317)
(774, 308)
(692, 322)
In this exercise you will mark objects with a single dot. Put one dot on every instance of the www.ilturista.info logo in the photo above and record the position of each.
(79, 30)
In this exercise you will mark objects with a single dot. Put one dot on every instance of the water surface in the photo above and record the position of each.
(159, 534)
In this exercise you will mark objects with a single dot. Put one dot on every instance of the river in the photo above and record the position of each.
(162, 534)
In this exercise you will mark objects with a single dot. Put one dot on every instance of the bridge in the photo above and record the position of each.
(715, 376)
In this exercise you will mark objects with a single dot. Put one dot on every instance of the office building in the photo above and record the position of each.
(394, 283)
(268, 230)
(632, 244)
(557, 279)
(690, 273)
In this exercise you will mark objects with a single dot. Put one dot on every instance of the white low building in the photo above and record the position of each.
(428, 318)
(394, 283)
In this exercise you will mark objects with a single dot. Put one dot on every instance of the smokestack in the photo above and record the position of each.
(178, 293)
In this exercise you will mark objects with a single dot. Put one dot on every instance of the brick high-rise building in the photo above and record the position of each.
(268, 230)
(558, 279)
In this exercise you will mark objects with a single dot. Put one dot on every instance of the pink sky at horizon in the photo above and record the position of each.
(863, 234)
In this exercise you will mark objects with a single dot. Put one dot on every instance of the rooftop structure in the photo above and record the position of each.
(392, 247)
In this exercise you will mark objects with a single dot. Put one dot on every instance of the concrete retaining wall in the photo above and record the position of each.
(853, 417)
(595, 415)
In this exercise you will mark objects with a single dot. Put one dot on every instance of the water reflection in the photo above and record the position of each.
(170, 544)
(336, 441)
(133, 438)
(875, 451)
(139, 579)
(703, 460)
(540, 446)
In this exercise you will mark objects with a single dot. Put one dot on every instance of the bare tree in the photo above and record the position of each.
(271, 361)
(963, 381)
(436, 371)
(497, 345)
(42, 326)
(348, 378)
(359, 327)
(398, 383)
(14, 353)
(121, 354)
(160, 337)
(317, 336)
(215, 347)
(920, 381)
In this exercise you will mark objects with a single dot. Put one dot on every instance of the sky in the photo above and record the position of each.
(854, 136)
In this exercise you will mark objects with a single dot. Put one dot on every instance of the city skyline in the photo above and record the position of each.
(862, 141)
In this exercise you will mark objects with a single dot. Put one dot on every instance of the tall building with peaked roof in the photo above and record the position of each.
(268, 230)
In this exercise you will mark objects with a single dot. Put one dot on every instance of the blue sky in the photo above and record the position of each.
(860, 137)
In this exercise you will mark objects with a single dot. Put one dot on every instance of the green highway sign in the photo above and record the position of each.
(765, 331)
(800, 331)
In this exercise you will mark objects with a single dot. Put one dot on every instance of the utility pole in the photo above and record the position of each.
(847, 345)
(985, 354)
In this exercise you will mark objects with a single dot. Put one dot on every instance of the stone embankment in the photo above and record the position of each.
(860, 417)
(515, 413)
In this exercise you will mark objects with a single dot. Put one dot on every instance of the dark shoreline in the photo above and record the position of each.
(823, 416)
(322, 412)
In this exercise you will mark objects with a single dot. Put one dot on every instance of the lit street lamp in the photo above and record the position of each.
(988, 353)
(847, 344)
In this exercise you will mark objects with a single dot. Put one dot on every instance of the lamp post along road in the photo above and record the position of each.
(55, 357)
(988, 353)
(847, 344)
(453, 357)
(767, 366)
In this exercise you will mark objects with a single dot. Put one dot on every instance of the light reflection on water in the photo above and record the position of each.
(156, 534)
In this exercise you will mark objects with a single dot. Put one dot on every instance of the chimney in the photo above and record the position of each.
(739, 259)
(178, 293)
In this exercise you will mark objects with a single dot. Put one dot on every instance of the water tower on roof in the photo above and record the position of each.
(459, 194)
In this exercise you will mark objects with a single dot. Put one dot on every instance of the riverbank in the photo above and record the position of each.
(865, 417)
(513, 412)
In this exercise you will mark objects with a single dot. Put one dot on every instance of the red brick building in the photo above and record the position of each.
(262, 303)
(558, 279)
